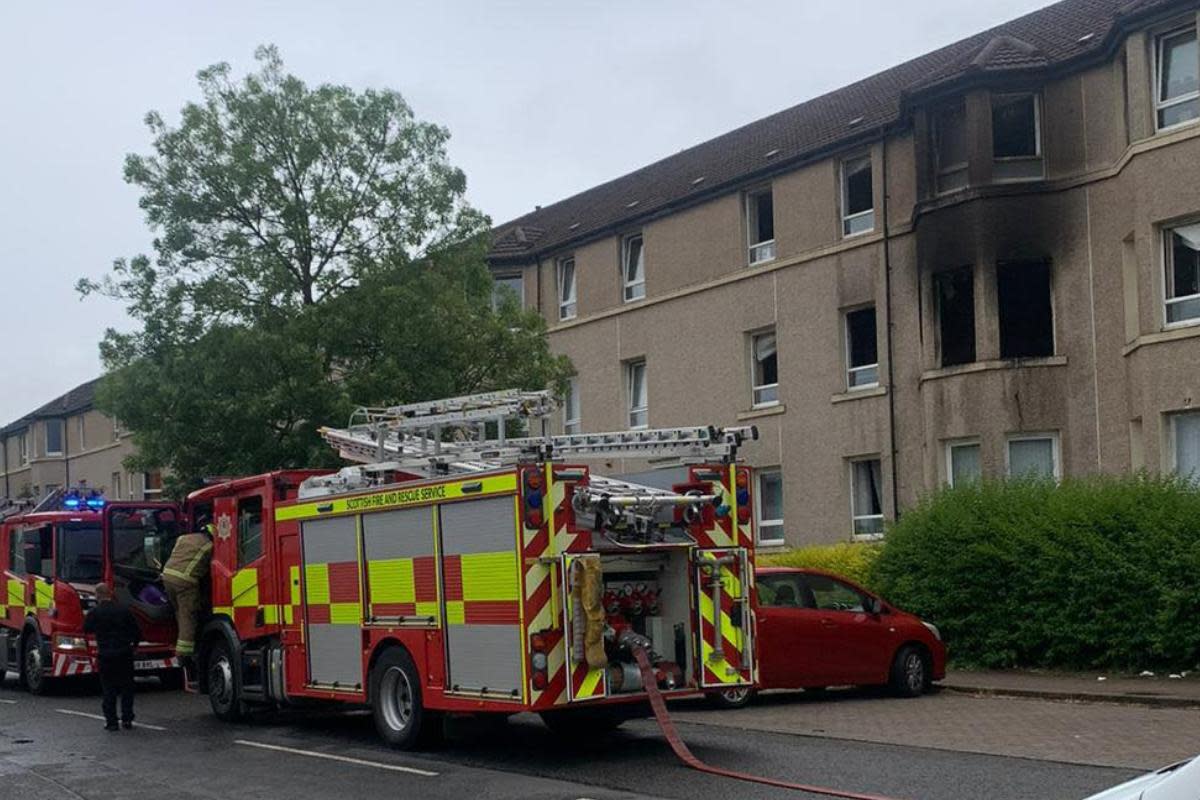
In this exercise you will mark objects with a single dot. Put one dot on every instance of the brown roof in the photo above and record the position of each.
(1059, 35)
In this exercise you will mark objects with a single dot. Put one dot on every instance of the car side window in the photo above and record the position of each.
(783, 591)
(833, 595)
(16, 553)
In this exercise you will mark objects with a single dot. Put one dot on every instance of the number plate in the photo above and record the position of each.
(155, 663)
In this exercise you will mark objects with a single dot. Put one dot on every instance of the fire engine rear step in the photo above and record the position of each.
(667, 726)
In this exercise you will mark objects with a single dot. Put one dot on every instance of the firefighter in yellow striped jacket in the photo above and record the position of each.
(182, 575)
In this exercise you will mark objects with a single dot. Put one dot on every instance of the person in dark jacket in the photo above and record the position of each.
(117, 634)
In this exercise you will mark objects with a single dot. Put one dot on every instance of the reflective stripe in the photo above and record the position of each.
(185, 648)
(400, 498)
(174, 573)
(244, 588)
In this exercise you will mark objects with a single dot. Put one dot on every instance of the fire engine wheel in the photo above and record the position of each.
(222, 683)
(33, 667)
(736, 697)
(910, 672)
(400, 716)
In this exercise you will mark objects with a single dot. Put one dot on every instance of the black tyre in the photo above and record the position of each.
(578, 724)
(224, 686)
(734, 697)
(400, 715)
(33, 665)
(910, 672)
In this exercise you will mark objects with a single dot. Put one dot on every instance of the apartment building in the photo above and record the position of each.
(983, 262)
(68, 442)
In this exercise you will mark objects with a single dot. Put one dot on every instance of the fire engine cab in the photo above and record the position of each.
(458, 570)
(51, 559)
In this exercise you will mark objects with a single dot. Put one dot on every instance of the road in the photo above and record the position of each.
(51, 749)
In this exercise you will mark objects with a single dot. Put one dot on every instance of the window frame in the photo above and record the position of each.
(23, 447)
(764, 251)
(1168, 268)
(1055, 451)
(1173, 431)
(1039, 152)
(116, 485)
(630, 409)
(633, 291)
(941, 170)
(81, 429)
(1159, 104)
(147, 492)
(568, 308)
(855, 517)
(497, 277)
(939, 309)
(755, 387)
(848, 347)
(571, 425)
(848, 218)
(240, 548)
(62, 435)
(950, 446)
(758, 508)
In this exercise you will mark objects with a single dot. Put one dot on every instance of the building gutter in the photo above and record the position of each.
(887, 300)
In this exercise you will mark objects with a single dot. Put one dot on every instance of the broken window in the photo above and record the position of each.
(950, 147)
(760, 219)
(766, 369)
(858, 201)
(1026, 316)
(954, 298)
(866, 491)
(1177, 96)
(862, 354)
(1183, 273)
(566, 288)
(1016, 137)
(634, 266)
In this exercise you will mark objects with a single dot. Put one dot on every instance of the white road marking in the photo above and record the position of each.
(345, 759)
(99, 717)
(8, 702)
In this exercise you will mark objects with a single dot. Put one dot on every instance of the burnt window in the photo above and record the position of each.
(954, 295)
(760, 222)
(862, 352)
(1026, 318)
(1016, 137)
(950, 147)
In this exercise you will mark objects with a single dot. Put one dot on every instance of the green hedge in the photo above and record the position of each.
(1096, 573)
(851, 560)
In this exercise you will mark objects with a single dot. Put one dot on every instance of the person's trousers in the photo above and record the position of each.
(116, 679)
(185, 599)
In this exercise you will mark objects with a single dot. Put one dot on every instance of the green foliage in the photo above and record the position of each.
(313, 252)
(1095, 573)
(851, 560)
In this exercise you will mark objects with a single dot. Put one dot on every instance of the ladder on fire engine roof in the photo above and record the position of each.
(411, 436)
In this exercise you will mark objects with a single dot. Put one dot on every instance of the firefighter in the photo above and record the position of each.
(182, 575)
(117, 635)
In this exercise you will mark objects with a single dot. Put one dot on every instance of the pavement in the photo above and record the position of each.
(53, 748)
(1153, 690)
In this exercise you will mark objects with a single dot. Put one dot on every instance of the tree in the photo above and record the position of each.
(313, 250)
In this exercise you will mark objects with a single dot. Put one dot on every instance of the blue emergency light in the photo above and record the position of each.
(75, 499)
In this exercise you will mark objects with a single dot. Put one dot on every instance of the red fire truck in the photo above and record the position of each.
(52, 558)
(480, 575)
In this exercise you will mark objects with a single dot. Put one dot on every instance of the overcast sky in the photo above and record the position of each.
(542, 99)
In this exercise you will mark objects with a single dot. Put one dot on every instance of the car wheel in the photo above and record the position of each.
(910, 672)
(400, 715)
(223, 690)
(733, 697)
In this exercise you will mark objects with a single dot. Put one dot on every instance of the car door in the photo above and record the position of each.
(855, 643)
(789, 633)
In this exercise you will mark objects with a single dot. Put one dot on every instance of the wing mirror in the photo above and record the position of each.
(874, 606)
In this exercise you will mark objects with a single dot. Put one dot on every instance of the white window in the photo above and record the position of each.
(151, 485)
(566, 288)
(866, 496)
(118, 430)
(963, 463)
(1034, 455)
(1016, 137)
(862, 356)
(23, 447)
(760, 225)
(54, 437)
(770, 506)
(950, 147)
(571, 407)
(508, 289)
(82, 430)
(1185, 444)
(635, 382)
(633, 259)
(115, 487)
(766, 369)
(1177, 78)
(1182, 259)
(858, 197)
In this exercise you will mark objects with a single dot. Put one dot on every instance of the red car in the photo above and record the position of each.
(816, 629)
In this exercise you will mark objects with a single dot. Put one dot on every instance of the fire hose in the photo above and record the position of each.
(667, 726)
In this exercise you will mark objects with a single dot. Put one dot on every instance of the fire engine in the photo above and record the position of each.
(51, 559)
(458, 569)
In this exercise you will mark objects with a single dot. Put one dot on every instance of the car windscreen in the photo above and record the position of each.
(140, 539)
(80, 558)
